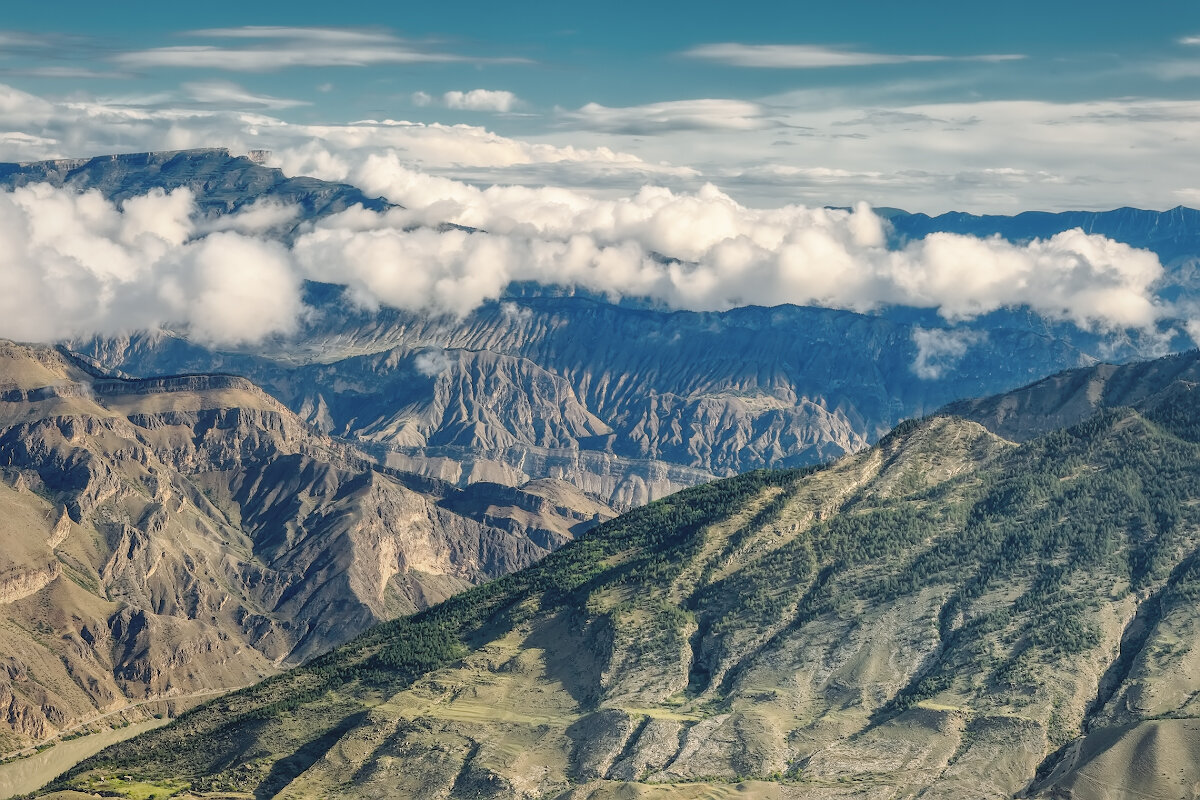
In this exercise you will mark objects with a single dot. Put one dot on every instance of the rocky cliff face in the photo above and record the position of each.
(948, 614)
(170, 536)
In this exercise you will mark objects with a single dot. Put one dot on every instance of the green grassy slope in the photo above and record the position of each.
(947, 615)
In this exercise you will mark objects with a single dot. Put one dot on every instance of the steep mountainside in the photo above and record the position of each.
(945, 615)
(165, 537)
(1069, 397)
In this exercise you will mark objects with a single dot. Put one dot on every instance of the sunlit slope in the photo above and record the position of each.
(168, 538)
(947, 615)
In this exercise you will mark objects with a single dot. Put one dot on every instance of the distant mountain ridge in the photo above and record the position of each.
(1170, 234)
(222, 183)
(1067, 398)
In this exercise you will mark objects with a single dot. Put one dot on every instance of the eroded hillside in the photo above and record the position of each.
(164, 538)
(945, 615)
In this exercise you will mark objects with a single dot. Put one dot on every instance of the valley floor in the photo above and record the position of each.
(28, 774)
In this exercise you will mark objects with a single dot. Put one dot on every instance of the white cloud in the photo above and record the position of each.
(260, 218)
(66, 73)
(474, 100)
(940, 350)
(224, 94)
(349, 37)
(1193, 330)
(704, 251)
(991, 157)
(74, 264)
(515, 313)
(341, 153)
(805, 56)
(676, 115)
(278, 47)
(432, 363)
(481, 100)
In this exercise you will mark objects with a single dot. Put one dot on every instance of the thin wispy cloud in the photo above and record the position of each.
(65, 73)
(1191, 40)
(1175, 69)
(804, 56)
(223, 94)
(53, 44)
(675, 115)
(342, 36)
(268, 49)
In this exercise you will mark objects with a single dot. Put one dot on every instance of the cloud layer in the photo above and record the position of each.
(812, 147)
(75, 264)
(704, 251)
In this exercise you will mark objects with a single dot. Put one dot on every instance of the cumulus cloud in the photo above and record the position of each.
(262, 217)
(481, 100)
(76, 264)
(475, 100)
(705, 251)
(432, 363)
(940, 350)
(806, 56)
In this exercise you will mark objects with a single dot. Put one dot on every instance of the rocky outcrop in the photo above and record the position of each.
(16, 584)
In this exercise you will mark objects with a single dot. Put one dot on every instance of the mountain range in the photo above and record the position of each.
(947, 614)
(625, 400)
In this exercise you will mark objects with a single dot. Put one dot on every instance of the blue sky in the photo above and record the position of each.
(586, 141)
(772, 101)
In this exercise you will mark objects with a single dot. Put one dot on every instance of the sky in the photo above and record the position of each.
(702, 155)
(927, 106)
